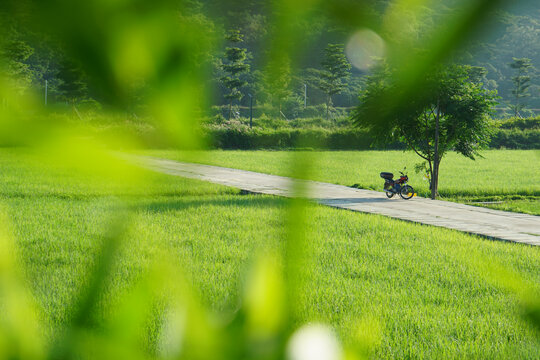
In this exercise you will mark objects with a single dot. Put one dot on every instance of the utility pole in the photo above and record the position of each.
(305, 96)
(46, 88)
(250, 111)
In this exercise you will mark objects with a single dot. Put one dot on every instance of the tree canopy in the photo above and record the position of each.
(335, 70)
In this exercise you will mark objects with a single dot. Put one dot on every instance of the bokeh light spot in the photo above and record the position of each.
(364, 47)
(314, 342)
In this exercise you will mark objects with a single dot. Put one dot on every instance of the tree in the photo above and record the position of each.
(14, 52)
(448, 113)
(521, 81)
(234, 66)
(277, 79)
(477, 74)
(73, 86)
(336, 68)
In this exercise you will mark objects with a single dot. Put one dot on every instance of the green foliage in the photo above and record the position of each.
(275, 133)
(277, 79)
(517, 133)
(290, 138)
(515, 35)
(293, 108)
(520, 123)
(521, 81)
(336, 69)
(73, 86)
(234, 65)
(515, 139)
(461, 104)
(404, 25)
(14, 53)
(476, 74)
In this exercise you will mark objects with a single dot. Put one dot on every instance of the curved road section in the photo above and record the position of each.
(495, 224)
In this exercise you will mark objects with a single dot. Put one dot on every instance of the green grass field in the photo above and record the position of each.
(422, 284)
(510, 176)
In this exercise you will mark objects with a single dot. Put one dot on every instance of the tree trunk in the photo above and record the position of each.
(436, 158)
(435, 180)
(430, 174)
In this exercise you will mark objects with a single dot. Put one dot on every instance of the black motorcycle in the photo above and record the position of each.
(399, 186)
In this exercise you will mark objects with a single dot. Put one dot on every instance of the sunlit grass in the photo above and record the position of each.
(498, 174)
(528, 206)
(417, 281)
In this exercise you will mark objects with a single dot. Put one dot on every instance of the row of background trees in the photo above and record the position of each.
(33, 62)
(515, 34)
(242, 71)
(273, 85)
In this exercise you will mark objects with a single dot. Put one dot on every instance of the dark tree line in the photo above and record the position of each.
(244, 67)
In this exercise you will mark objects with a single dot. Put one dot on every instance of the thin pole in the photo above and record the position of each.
(250, 111)
(46, 88)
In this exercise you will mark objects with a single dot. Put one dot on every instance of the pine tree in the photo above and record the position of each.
(277, 79)
(522, 82)
(72, 86)
(336, 69)
(234, 65)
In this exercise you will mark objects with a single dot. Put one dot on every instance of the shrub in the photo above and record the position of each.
(286, 138)
(516, 139)
(241, 137)
(521, 124)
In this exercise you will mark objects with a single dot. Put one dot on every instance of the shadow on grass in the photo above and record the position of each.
(96, 194)
(238, 202)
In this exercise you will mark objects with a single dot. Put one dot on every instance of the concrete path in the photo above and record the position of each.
(515, 227)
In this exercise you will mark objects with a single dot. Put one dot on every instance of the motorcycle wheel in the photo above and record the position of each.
(389, 194)
(406, 192)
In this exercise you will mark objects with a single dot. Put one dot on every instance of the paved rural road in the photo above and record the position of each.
(515, 227)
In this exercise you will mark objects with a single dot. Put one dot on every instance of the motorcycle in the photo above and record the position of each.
(399, 186)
